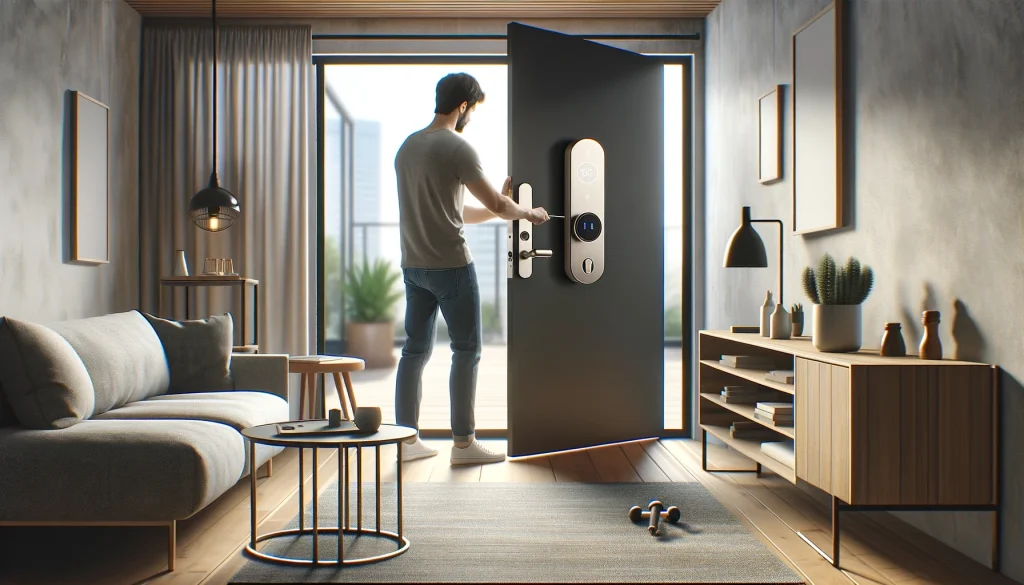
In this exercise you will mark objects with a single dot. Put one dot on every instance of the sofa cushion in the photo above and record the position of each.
(238, 409)
(101, 470)
(44, 380)
(198, 352)
(123, 355)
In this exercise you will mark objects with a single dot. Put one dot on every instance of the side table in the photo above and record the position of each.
(312, 365)
(215, 280)
(386, 434)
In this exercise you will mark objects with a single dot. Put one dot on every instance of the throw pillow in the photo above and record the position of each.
(44, 379)
(198, 352)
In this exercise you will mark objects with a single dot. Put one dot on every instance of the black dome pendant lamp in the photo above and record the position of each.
(214, 208)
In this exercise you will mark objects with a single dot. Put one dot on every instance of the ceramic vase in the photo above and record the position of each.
(836, 328)
(180, 265)
(798, 323)
(781, 327)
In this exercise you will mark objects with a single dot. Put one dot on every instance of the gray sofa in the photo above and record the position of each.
(128, 419)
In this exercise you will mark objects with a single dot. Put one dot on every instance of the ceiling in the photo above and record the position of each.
(427, 8)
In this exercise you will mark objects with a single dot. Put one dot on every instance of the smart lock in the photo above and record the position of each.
(584, 211)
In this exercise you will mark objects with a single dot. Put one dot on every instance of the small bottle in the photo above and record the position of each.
(781, 324)
(766, 315)
(892, 341)
(931, 345)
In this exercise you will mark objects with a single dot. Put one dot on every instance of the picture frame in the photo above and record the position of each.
(817, 102)
(90, 180)
(769, 136)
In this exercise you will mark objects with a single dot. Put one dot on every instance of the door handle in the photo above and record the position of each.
(526, 254)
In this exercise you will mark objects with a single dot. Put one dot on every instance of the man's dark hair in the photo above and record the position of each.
(455, 88)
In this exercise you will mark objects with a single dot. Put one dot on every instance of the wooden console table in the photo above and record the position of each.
(241, 282)
(876, 433)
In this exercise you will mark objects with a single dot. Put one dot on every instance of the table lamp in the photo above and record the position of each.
(746, 250)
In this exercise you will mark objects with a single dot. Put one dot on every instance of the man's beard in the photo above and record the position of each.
(461, 122)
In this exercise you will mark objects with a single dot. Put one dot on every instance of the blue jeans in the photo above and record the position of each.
(456, 292)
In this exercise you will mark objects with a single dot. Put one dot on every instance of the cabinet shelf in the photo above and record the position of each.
(750, 449)
(747, 411)
(755, 376)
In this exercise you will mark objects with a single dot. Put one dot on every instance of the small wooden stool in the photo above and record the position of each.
(311, 365)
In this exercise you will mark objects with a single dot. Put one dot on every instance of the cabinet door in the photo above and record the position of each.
(822, 405)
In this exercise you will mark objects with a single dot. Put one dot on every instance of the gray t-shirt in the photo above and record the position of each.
(432, 168)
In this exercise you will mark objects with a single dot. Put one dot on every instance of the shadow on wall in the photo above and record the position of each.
(968, 342)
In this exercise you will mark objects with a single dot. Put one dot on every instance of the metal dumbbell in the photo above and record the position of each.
(655, 513)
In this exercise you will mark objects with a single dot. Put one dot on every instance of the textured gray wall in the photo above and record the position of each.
(48, 48)
(935, 133)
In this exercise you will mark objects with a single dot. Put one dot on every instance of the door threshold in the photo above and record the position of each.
(480, 433)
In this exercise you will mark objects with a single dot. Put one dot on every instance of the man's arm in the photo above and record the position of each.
(500, 205)
(474, 214)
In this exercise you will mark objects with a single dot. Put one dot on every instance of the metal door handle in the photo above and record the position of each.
(525, 254)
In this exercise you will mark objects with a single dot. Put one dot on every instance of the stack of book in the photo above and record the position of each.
(780, 414)
(748, 429)
(752, 362)
(780, 376)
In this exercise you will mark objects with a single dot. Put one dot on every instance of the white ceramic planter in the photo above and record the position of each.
(836, 328)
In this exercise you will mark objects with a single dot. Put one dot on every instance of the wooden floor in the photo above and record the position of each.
(376, 387)
(876, 549)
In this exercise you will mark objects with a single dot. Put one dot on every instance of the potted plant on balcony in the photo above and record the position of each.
(837, 293)
(371, 297)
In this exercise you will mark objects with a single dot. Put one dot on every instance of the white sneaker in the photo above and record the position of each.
(417, 450)
(475, 453)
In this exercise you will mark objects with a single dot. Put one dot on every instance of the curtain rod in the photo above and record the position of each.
(479, 37)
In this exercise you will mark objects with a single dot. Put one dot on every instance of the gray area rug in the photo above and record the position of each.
(527, 533)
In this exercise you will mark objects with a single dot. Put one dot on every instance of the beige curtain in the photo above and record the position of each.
(262, 158)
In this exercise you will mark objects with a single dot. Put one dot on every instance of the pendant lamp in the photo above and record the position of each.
(214, 208)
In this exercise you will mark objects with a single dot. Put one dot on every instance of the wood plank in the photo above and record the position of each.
(813, 398)
(954, 450)
(914, 436)
(666, 462)
(750, 375)
(825, 426)
(802, 347)
(801, 419)
(860, 408)
(841, 433)
(612, 465)
(519, 470)
(646, 468)
(747, 412)
(980, 428)
(574, 466)
(884, 434)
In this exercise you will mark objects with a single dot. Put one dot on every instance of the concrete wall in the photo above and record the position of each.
(47, 49)
(935, 134)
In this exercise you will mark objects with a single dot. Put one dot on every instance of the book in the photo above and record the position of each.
(776, 421)
(781, 451)
(750, 430)
(747, 389)
(776, 407)
(780, 376)
(755, 362)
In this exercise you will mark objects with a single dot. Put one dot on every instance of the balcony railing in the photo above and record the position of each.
(368, 241)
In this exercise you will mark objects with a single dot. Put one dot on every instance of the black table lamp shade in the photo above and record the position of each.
(746, 249)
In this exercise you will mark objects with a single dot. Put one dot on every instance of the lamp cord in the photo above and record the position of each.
(214, 86)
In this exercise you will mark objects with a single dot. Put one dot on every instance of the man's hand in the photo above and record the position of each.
(537, 215)
(506, 189)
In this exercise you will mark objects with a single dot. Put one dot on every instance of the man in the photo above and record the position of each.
(432, 166)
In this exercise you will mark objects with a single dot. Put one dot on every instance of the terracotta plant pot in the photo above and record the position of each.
(836, 328)
(374, 343)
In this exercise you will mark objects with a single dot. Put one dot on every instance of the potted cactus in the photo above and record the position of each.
(837, 293)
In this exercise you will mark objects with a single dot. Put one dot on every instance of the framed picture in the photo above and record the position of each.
(90, 180)
(818, 122)
(769, 136)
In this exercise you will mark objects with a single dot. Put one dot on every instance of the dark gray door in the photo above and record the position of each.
(586, 361)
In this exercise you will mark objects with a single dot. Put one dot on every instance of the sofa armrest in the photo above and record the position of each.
(261, 371)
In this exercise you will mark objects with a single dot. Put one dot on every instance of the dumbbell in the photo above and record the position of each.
(655, 513)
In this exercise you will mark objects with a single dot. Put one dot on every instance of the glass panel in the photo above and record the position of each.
(673, 246)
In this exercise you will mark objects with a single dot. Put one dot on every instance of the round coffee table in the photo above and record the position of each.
(386, 434)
